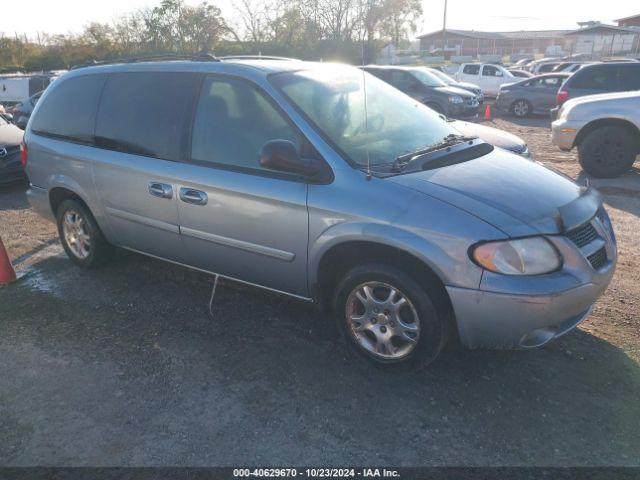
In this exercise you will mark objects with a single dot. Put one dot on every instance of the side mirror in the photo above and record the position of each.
(282, 155)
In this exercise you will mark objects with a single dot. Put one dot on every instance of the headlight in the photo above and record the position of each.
(526, 256)
(456, 99)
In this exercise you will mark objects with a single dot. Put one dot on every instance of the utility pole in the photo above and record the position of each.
(444, 31)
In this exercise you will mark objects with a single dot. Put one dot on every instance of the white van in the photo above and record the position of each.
(487, 76)
(18, 87)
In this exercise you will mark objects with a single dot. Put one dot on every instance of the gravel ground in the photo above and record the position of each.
(123, 366)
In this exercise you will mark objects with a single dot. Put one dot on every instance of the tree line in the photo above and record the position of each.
(343, 30)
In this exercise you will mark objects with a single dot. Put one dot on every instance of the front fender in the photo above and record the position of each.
(446, 256)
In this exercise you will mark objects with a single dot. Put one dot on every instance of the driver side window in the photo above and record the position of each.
(233, 121)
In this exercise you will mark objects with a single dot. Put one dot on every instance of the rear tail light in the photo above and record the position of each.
(24, 154)
(562, 97)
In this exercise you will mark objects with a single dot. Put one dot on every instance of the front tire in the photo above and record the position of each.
(388, 318)
(80, 235)
(521, 108)
(608, 152)
(436, 108)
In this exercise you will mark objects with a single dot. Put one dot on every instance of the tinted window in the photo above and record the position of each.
(146, 113)
(69, 110)
(548, 82)
(491, 71)
(596, 78)
(471, 69)
(383, 74)
(402, 80)
(233, 121)
(630, 77)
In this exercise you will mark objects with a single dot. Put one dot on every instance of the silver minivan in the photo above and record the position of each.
(322, 182)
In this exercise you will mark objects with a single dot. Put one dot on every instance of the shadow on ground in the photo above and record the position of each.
(13, 197)
(123, 366)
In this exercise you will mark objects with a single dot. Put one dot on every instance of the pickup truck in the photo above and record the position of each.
(487, 76)
(604, 128)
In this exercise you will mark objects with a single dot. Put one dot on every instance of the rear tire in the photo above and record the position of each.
(405, 330)
(521, 108)
(80, 235)
(608, 152)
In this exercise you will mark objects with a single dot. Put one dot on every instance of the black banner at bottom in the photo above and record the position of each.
(347, 473)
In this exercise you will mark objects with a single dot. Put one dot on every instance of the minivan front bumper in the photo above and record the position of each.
(499, 320)
(529, 311)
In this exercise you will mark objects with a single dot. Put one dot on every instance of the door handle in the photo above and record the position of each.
(194, 197)
(161, 190)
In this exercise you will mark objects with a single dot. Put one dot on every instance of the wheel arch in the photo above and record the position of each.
(336, 259)
(607, 122)
(59, 194)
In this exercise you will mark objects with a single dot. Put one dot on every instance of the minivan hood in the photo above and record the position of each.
(466, 86)
(518, 196)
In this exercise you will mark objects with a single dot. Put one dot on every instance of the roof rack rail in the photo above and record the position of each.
(255, 57)
(199, 57)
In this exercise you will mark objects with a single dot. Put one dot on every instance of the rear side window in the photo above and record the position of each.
(146, 113)
(596, 78)
(630, 77)
(69, 111)
(471, 69)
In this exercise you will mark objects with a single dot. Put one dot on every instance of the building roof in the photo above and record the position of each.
(602, 26)
(628, 18)
(522, 34)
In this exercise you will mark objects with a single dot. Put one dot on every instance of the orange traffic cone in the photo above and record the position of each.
(487, 112)
(7, 273)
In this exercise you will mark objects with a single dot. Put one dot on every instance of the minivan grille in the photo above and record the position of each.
(598, 259)
(583, 235)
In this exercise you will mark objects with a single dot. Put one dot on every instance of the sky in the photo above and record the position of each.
(62, 16)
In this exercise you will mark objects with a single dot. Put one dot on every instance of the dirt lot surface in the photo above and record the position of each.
(123, 366)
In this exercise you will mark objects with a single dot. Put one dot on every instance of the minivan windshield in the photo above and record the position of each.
(427, 78)
(393, 124)
(442, 76)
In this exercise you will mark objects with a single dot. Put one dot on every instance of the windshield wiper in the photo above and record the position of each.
(450, 140)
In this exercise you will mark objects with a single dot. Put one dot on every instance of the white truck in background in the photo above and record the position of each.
(488, 76)
(15, 88)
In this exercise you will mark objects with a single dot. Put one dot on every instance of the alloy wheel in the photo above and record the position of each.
(75, 234)
(382, 320)
(521, 108)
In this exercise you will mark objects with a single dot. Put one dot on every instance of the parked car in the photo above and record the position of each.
(427, 88)
(523, 62)
(22, 111)
(535, 95)
(599, 78)
(604, 128)
(493, 136)
(296, 177)
(452, 82)
(543, 65)
(487, 76)
(10, 167)
(544, 68)
(520, 73)
(570, 67)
